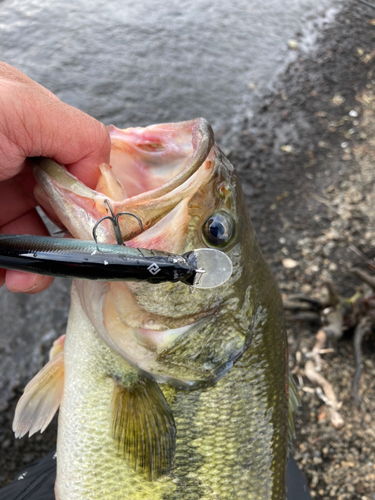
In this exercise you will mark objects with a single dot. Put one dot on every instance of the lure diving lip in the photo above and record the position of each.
(70, 258)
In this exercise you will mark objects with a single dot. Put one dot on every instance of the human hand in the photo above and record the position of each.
(34, 122)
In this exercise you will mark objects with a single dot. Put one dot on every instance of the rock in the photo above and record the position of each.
(289, 263)
(293, 44)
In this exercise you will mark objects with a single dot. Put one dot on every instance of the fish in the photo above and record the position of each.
(165, 394)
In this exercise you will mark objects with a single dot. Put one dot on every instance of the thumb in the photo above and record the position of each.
(35, 122)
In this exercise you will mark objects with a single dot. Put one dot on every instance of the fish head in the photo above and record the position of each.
(177, 182)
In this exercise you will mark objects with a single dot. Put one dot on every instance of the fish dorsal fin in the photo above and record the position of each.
(40, 399)
(143, 426)
(294, 403)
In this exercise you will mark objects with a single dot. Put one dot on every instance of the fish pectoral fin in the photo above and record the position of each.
(40, 399)
(143, 425)
(57, 347)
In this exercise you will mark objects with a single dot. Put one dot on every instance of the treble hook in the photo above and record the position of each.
(114, 219)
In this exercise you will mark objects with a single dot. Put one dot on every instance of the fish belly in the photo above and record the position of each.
(89, 466)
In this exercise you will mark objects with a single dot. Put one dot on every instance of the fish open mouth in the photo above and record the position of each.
(154, 171)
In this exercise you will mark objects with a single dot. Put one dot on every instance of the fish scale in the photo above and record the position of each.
(232, 439)
(89, 386)
(225, 434)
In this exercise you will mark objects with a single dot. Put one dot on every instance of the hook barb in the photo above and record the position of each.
(114, 219)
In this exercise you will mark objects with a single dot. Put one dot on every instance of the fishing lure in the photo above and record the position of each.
(71, 258)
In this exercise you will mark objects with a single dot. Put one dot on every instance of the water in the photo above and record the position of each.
(135, 63)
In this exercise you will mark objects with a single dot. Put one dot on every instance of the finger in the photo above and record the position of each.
(86, 169)
(87, 139)
(36, 123)
(2, 277)
(16, 197)
(17, 281)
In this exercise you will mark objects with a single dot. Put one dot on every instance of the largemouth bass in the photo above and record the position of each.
(164, 394)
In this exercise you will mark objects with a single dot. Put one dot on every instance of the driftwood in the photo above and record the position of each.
(334, 316)
(313, 365)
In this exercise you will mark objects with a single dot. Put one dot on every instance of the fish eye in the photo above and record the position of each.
(218, 229)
